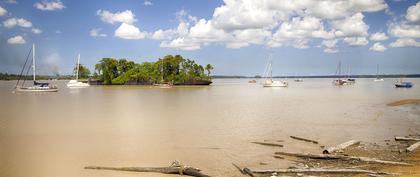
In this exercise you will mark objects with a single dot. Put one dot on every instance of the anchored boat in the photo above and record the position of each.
(269, 82)
(76, 83)
(37, 86)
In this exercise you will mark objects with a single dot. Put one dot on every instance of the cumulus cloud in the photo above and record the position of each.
(405, 30)
(378, 47)
(12, 22)
(378, 37)
(50, 5)
(36, 31)
(128, 31)
(147, 3)
(413, 13)
(96, 32)
(240, 23)
(356, 41)
(2, 11)
(16, 40)
(405, 42)
(126, 16)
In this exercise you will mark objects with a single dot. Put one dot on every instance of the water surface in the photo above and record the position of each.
(57, 134)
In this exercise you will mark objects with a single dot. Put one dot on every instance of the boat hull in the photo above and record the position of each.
(275, 84)
(35, 89)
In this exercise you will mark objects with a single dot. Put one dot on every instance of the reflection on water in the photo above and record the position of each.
(57, 134)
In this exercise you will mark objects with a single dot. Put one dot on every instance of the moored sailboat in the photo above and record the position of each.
(37, 86)
(269, 82)
(339, 81)
(378, 79)
(76, 83)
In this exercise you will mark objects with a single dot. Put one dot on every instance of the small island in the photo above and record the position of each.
(173, 70)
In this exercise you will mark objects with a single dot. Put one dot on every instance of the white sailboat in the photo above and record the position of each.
(269, 82)
(339, 81)
(76, 83)
(162, 83)
(378, 79)
(37, 86)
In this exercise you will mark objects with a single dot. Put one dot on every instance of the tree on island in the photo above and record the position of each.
(209, 67)
(84, 72)
(172, 68)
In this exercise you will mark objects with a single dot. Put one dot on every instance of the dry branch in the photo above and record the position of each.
(342, 146)
(268, 144)
(175, 168)
(341, 157)
(304, 139)
(320, 170)
(400, 138)
(413, 147)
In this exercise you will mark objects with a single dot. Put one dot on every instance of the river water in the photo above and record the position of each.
(209, 127)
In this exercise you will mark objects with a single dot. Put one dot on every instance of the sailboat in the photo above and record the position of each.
(378, 79)
(37, 86)
(269, 82)
(76, 83)
(162, 83)
(339, 81)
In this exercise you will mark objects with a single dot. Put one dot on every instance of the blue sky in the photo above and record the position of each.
(305, 37)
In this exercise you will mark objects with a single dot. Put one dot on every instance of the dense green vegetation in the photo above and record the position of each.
(84, 72)
(169, 69)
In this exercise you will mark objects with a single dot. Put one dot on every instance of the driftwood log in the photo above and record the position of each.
(400, 138)
(320, 171)
(341, 157)
(268, 144)
(339, 147)
(413, 147)
(304, 139)
(175, 168)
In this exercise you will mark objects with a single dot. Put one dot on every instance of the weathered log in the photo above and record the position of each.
(268, 144)
(400, 138)
(304, 139)
(413, 147)
(341, 157)
(239, 168)
(342, 146)
(175, 168)
(320, 170)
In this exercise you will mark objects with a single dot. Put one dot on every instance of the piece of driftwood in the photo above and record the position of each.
(304, 139)
(400, 138)
(278, 157)
(321, 170)
(341, 146)
(413, 147)
(175, 168)
(341, 157)
(268, 144)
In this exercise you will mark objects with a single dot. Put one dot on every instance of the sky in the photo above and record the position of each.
(303, 37)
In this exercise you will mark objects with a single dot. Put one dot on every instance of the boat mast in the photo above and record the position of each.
(377, 71)
(162, 72)
(33, 59)
(77, 71)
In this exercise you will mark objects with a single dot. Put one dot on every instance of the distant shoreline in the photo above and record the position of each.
(323, 76)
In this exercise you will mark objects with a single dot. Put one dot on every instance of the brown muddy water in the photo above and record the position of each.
(57, 134)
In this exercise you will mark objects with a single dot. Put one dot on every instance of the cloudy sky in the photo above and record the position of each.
(306, 37)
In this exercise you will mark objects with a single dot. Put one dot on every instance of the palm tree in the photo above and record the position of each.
(209, 67)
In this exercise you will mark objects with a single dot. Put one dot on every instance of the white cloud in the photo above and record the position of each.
(128, 31)
(405, 30)
(10, 1)
(126, 16)
(378, 37)
(96, 33)
(2, 11)
(50, 5)
(351, 26)
(36, 31)
(274, 23)
(356, 41)
(147, 3)
(331, 50)
(12, 22)
(413, 13)
(378, 47)
(405, 42)
(16, 40)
